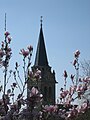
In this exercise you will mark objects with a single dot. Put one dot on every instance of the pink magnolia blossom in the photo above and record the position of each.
(25, 53)
(37, 74)
(30, 74)
(6, 34)
(9, 39)
(9, 49)
(77, 53)
(86, 79)
(72, 113)
(51, 108)
(34, 91)
(72, 89)
(68, 101)
(64, 93)
(83, 107)
(85, 87)
(80, 88)
(2, 53)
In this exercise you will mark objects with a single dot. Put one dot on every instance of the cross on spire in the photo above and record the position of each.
(41, 20)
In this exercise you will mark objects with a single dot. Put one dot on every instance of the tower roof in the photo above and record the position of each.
(41, 56)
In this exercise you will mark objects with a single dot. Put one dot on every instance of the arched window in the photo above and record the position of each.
(50, 92)
(45, 93)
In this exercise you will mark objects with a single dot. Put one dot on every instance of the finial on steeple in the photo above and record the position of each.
(41, 20)
(5, 22)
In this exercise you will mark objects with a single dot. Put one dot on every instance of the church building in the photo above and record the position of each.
(46, 84)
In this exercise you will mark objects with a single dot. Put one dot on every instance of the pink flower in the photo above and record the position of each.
(85, 87)
(83, 108)
(37, 74)
(9, 49)
(73, 112)
(6, 34)
(86, 79)
(64, 93)
(25, 53)
(34, 92)
(9, 40)
(77, 53)
(30, 73)
(50, 108)
(1, 53)
(72, 89)
(79, 88)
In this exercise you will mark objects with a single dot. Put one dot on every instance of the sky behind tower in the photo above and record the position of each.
(66, 28)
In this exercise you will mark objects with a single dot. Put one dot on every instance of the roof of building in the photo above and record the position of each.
(41, 56)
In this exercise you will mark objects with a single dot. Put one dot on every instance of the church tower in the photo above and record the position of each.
(46, 84)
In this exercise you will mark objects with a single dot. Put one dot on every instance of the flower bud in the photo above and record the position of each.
(65, 74)
(6, 34)
(76, 54)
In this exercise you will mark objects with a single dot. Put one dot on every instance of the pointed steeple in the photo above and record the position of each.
(41, 56)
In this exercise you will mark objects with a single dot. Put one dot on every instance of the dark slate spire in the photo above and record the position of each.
(41, 56)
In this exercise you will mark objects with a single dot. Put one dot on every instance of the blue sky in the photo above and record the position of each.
(66, 27)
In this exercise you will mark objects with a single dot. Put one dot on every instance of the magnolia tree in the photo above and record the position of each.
(31, 107)
(76, 91)
(11, 108)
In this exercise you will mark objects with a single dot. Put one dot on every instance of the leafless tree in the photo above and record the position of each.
(85, 67)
